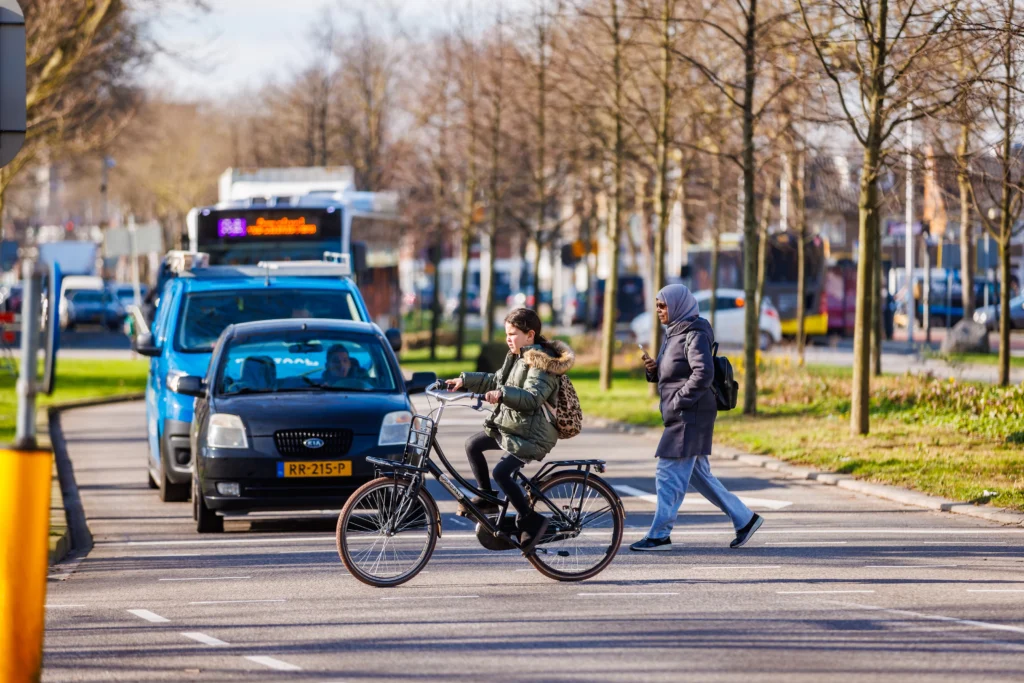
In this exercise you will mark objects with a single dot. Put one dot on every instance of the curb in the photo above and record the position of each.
(76, 541)
(839, 480)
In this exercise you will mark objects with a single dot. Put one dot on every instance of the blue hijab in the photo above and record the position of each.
(681, 304)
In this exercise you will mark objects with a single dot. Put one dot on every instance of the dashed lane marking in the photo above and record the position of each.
(937, 617)
(208, 578)
(231, 602)
(272, 663)
(148, 616)
(205, 639)
(697, 500)
(818, 592)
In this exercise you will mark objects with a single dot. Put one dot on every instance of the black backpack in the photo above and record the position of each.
(727, 389)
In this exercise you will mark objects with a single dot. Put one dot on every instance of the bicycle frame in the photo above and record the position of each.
(419, 449)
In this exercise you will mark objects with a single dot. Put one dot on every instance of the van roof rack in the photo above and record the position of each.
(180, 262)
(334, 264)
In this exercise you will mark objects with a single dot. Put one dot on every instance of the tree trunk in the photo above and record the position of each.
(611, 290)
(716, 238)
(877, 335)
(762, 248)
(467, 236)
(435, 302)
(800, 219)
(866, 207)
(662, 205)
(488, 305)
(750, 236)
(968, 259)
(1004, 304)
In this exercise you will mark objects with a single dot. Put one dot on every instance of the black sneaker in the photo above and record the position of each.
(646, 543)
(744, 534)
(531, 530)
(484, 506)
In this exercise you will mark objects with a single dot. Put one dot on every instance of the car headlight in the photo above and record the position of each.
(980, 317)
(226, 431)
(395, 429)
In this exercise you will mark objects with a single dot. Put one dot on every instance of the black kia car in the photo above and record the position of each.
(288, 412)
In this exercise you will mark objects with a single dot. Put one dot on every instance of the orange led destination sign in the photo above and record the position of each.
(280, 227)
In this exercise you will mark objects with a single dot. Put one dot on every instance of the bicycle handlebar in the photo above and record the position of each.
(446, 396)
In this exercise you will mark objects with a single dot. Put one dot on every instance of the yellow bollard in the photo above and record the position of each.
(24, 555)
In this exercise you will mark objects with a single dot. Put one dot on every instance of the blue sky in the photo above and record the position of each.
(242, 44)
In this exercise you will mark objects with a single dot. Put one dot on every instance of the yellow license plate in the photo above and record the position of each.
(333, 468)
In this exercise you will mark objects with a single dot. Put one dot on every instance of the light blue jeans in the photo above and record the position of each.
(673, 477)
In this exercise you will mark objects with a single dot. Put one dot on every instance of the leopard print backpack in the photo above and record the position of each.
(567, 416)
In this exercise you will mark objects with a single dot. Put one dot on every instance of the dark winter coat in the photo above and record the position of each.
(684, 374)
(520, 424)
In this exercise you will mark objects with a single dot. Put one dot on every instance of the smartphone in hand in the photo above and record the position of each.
(643, 350)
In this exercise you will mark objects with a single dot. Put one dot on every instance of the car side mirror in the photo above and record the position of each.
(189, 385)
(394, 337)
(420, 381)
(144, 345)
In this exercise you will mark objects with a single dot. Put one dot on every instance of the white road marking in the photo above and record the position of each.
(204, 639)
(908, 566)
(209, 578)
(273, 663)
(148, 616)
(433, 597)
(807, 543)
(881, 531)
(737, 566)
(58, 576)
(230, 602)
(619, 595)
(697, 500)
(818, 592)
(938, 617)
(150, 557)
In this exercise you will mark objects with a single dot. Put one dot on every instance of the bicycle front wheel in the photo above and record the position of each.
(386, 535)
(584, 526)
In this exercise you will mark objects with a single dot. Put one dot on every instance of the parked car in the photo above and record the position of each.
(451, 304)
(730, 319)
(195, 308)
(86, 300)
(125, 294)
(10, 299)
(276, 429)
(989, 315)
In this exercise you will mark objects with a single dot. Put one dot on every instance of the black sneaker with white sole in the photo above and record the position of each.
(744, 534)
(645, 544)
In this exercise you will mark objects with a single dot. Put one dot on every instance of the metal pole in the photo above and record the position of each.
(927, 294)
(134, 243)
(25, 427)
(909, 266)
(988, 270)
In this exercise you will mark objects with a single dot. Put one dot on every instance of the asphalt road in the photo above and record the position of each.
(835, 586)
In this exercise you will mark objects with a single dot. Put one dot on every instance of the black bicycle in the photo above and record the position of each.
(389, 527)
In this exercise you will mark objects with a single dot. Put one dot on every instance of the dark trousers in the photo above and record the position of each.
(504, 471)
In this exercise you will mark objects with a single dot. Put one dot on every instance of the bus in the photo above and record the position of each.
(298, 214)
(780, 282)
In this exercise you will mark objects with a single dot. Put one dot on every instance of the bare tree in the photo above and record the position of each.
(867, 48)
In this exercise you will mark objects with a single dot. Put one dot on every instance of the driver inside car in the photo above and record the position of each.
(341, 365)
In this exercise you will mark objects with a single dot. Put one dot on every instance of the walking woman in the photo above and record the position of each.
(521, 425)
(684, 371)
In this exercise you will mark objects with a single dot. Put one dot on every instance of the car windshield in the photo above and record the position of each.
(87, 297)
(205, 315)
(305, 361)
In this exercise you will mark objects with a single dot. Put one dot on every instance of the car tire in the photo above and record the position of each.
(169, 491)
(765, 342)
(207, 521)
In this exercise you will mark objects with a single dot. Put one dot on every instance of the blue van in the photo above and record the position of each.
(195, 307)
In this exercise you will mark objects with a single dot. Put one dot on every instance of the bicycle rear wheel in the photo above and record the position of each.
(583, 537)
(385, 535)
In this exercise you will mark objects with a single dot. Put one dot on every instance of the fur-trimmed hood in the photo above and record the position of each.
(558, 361)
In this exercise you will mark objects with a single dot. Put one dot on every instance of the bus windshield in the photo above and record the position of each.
(205, 315)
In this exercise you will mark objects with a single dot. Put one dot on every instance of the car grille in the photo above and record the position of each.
(291, 442)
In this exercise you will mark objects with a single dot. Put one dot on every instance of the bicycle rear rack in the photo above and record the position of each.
(580, 465)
